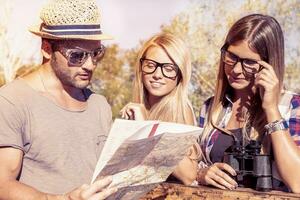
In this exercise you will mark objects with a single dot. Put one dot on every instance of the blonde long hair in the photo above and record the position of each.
(264, 36)
(175, 106)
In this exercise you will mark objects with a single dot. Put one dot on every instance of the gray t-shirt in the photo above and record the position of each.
(61, 147)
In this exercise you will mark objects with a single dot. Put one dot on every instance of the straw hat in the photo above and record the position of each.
(70, 19)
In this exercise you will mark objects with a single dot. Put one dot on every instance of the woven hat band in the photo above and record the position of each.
(91, 29)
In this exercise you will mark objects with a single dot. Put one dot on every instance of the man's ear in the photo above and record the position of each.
(46, 50)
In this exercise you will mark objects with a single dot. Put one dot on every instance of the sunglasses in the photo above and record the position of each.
(77, 57)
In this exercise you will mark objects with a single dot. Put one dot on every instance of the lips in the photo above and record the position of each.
(156, 84)
(236, 79)
(84, 76)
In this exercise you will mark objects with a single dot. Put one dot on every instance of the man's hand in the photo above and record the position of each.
(10, 188)
(96, 191)
(216, 175)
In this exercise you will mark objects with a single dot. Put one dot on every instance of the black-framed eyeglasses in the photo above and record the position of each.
(249, 66)
(169, 70)
(77, 57)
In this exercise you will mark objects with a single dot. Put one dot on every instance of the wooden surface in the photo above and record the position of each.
(175, 192)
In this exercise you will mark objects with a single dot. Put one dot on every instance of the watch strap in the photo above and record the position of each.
(276, 126)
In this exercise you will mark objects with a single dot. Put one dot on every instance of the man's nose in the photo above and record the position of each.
(89, 64)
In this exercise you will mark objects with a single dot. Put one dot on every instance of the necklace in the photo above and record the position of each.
(45, 88)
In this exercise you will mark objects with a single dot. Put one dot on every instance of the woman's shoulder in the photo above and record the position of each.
(204, 111)
(207, 102)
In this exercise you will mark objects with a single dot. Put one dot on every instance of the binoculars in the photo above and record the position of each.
(253, 169)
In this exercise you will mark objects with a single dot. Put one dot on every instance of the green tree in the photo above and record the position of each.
(111, 80)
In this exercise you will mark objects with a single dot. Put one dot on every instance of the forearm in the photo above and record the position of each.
(287, 158)
(14, 190)
(286, 154)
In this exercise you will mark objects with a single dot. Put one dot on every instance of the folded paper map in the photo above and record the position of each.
(143, 152)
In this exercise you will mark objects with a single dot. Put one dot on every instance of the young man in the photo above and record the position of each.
(52, 129)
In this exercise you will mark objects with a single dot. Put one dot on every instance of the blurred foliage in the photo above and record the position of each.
(112, 80)
(114, 76)
(25, 69)
(2, 79)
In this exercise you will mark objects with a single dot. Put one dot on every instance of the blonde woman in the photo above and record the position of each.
(162, 75)
(250, 103)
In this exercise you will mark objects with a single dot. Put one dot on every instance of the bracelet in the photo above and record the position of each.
(199, 174)
(276, 126)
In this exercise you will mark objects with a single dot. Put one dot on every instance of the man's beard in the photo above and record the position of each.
(65, 75)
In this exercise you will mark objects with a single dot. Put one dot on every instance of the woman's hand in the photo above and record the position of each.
(134, 111)
(216, 175)
(268, 85)
(186, 170)
(96, 191)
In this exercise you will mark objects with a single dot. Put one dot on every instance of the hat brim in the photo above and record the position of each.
(36, 30)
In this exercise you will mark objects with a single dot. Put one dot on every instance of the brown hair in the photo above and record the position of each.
(265, 37)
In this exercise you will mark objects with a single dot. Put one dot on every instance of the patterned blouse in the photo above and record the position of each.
(289, 108)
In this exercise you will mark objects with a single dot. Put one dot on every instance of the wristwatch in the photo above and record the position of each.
(276, 126)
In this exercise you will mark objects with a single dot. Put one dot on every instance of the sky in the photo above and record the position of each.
(132, 20)
(128, 21)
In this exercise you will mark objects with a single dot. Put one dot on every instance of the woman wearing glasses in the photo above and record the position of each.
(250, 103)
(162, 75)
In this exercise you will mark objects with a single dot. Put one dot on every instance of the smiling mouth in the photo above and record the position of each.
(156, 84)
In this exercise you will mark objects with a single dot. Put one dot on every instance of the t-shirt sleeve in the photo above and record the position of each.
(10, 125)
(294, 121)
